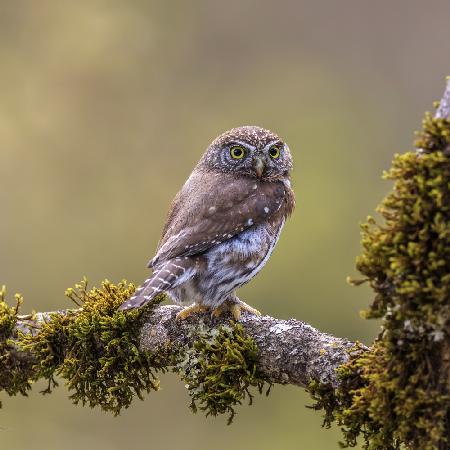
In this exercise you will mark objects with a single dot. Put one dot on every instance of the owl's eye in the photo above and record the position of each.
(274, 151)
(237, 152)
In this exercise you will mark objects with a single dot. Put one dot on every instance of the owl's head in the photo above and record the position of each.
(250, 151)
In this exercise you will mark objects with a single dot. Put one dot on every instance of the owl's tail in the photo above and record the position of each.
(168, 276)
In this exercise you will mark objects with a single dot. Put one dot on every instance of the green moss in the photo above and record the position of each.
(219, 370)
(14, 372)
(435, 135)
(396, 394)
(95, 349)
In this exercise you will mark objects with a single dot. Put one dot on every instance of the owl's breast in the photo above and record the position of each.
(236, 261)
(250, 246)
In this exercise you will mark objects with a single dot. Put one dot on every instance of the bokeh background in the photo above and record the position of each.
(105, 108)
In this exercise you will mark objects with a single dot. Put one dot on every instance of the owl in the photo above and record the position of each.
(223, 224)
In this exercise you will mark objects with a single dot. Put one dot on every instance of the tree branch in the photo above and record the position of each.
(289, 351)
(443, 110)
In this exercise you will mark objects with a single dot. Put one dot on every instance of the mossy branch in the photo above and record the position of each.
(63, 342)
(395, 394)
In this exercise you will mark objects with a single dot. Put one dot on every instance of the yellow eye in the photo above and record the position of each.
(237, 152)
(274, 152)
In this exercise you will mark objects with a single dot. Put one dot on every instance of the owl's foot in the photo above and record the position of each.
(217, 312)
(237, 308)
(189, 310)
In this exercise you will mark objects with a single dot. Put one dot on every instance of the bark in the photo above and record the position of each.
(443, 111)
(290, 351)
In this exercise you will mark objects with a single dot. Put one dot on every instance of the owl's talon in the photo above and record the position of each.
(189, 310)
(236, 312)
(237, 308)
(217, 312)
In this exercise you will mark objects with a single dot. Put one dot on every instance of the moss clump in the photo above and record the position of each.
(435, 135)
(219, 369)
(355, 405)
(14, 372)
(95, 349)
(396, 394)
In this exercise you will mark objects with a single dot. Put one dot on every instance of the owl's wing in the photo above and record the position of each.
(205, 214)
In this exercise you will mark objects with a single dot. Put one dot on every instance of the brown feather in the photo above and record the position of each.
(201, 216)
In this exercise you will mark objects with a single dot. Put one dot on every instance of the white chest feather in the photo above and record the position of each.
(254, 244)
(236, 261)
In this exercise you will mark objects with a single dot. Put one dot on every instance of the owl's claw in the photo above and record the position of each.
(237, 308)
(217, 312)
(189, 310)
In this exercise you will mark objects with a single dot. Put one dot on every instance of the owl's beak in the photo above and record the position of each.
(259, 165)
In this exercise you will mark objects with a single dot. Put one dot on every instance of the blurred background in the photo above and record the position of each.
(105, 108)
